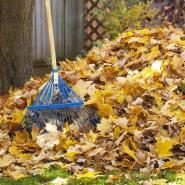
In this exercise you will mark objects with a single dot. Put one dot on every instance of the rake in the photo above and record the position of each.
(57, 103)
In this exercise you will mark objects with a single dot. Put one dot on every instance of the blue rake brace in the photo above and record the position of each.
(57, 103)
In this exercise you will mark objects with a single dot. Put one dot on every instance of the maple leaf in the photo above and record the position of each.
(117, 132)
(71, 156)
(108, 74)
(105, 126)
(65, 142)
(84, 88)
(18, 115)
(6, 161)
(48, 141)
(14, 150)
(105, 110)
(155, 52)
(92, 136)
(163, 146)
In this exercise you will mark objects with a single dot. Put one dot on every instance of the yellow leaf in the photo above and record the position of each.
(22, 137)
(66, 129)
(105, 110)
(66, 142)
(96, 98)
(18, 115)
(181, 42)
(163, 146)
(108, 74)
(147, 73)
(158, 98)
(29, 101)
(14, 150)
(127, 150)
(181, 175)
(90, 175)
(92, 136)
(129, 142)
(169, 164)
(117, 132)
(105, 126)
(93, 57)
(141, 49)
(34, 132)
(143, 31)
(18, 153)
(154, 53)
(25, 156)
(120, 99)
(133, 119)
(17, 175)
(129, 34)
(71, 156)
(180, 115)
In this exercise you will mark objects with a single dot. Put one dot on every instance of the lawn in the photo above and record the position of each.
(132, 178)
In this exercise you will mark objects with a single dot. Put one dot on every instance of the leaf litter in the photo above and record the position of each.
(136, 83)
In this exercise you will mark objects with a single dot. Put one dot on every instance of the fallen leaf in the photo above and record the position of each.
(105, 126)
(128, 151)
(90, 175)
(6, 161)
(60, 181)
(163, 146)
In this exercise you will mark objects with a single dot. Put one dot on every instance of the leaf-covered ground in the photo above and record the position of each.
(137, 85)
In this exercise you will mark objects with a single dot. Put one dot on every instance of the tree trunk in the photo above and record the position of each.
(16, 23)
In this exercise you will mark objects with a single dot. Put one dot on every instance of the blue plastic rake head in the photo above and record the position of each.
(57, 103)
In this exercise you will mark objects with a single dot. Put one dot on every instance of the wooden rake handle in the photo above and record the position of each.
(51, 34)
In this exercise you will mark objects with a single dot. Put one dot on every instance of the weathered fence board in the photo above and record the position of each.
(68, 29)
(74, 29)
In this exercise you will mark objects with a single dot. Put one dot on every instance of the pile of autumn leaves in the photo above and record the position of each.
(137, 85)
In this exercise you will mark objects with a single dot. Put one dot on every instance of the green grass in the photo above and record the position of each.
(170, 176)
(52, 173)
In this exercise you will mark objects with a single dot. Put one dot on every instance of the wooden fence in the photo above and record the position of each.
(68, 29)
(74, 28)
